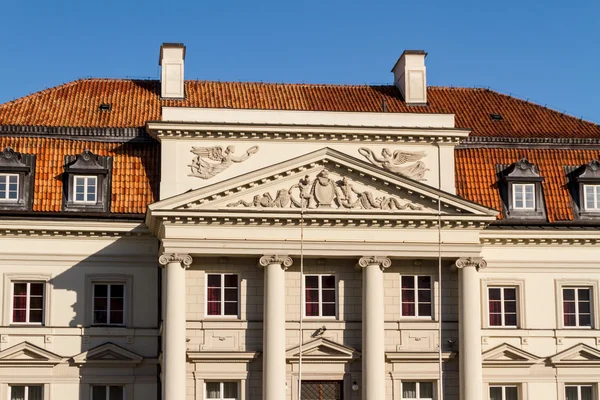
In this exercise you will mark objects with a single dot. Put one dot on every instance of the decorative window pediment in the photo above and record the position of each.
(87, 183)
(322, 350)
(26, 353)
(584, 186)
(577, 356)
(107, 354)
(17, 172)
(508, 355)
(520, 186)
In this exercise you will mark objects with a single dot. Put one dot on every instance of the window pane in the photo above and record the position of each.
(100, 290)
(117, 290)
(312, 309)
(569, 307)
(408, 282)
(584, 294)
(37, 289)
(35, 393)
(231, 281)
(510, 294)
(214, 280)
(424, 310)
(424, 282)
(568, 294)
(510, 306)
(584, 307)
(100, 304)
(512, 393)
(570, 320)
(328, 310)
(328, 282)
(19, 302)
(116, 304)
(510, 320)
(571, 393)
(230, 390)
(35, 316)
(231, 308)
(328, 296)
(116, 393)
(231, 294)
(100, 317)
(408, 295)
(312, 295)
(214, 308)
(312, 282)
(426, 390)
(496, 393)
(213, 390)
(17, 392)
(586, 393)
(19, 316)
(20, 289)
(409, 390)
(585, 320)
(214, 294)
(425, 296)
(495, 293)
(116, 317)
(408, 309)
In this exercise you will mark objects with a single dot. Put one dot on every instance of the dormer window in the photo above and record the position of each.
(584, 185)
(87, 183)
(520, 187)
(16, 180)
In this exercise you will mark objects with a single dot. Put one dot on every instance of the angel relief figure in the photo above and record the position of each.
(393, 162)
(202, 168)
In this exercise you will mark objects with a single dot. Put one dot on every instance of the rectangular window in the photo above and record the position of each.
(26, 392)
(592, 197)
(222, 294)
(417, 390)
(85, 189)
(108, 393)
(503, 306)
(510, 392)
(108, 304)
(577, 306)
(579, 392)
(222, 390)
(320, 295)
(9, 187)
(416, 296)
(523, 196)
(28, 303)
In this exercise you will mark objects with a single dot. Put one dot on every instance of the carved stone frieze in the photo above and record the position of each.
(284, 261)
(184, 259)
(324, 192)
(474, 262)
(383, 262)
(393, 161)
(203, 168)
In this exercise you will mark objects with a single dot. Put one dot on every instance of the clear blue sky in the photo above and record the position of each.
(548, 51)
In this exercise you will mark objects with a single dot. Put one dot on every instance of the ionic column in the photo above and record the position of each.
(469, 328)
(373, 328)
(174, 351)
(274, 371)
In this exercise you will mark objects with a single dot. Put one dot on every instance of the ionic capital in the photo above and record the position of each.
(284, 261)
(383, 262)
(474, 262)
(184, 259)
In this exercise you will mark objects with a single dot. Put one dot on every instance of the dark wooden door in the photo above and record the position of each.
(322, 390)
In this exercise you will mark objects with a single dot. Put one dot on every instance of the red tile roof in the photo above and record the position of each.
(134, 102)
(135, 170)
(476, 177)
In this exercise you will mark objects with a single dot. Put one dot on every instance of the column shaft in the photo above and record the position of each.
(471, 373)
(373, 328)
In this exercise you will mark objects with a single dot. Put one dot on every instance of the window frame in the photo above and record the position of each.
(320, 291)
(128, 298)
(525, 173)
(221, 382)
(108, 301)
(87, 164)
(418, 386)
(572, 283)
(107, 391)
(27, 386)
(23, 166)
(504, 386)
(9, 278)
(8, 175)
(519, 285)
(576, 301)
(28, 301)
(86, 178)
(596, 188)
(432, 289)
(594, 387)
(524, 186)
(222, 301)
(502, 305)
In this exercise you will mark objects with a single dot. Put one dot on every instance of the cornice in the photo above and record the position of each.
(528, 142)
(72, 228)
(221, 357)
(118, 135)
(321, 133)
(540, 238)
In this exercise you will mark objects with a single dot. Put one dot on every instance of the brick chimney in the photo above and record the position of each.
(171, 60)
(410, 76)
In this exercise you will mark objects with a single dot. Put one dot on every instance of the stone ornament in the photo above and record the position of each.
(184, 259)
(284, 261)
(383, 262)
(474, 262)
(324, 192)
(202, 167)
(393, 162)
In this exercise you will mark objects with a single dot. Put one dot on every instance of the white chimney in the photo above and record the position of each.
(171, 77)
(410, 76)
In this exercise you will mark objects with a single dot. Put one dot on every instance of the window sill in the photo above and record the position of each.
(26, 324)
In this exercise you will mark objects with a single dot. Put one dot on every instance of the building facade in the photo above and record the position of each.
(200, 240)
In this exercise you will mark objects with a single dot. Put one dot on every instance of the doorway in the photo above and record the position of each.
(322, 390)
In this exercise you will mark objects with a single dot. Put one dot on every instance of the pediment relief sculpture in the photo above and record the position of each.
(393, 161)
(210, 161)
(325, 192)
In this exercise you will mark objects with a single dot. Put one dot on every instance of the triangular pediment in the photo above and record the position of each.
(107, 353)
(506, 354)
(322, 349)
(324, 182)
(27, 353)
(578, 355)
